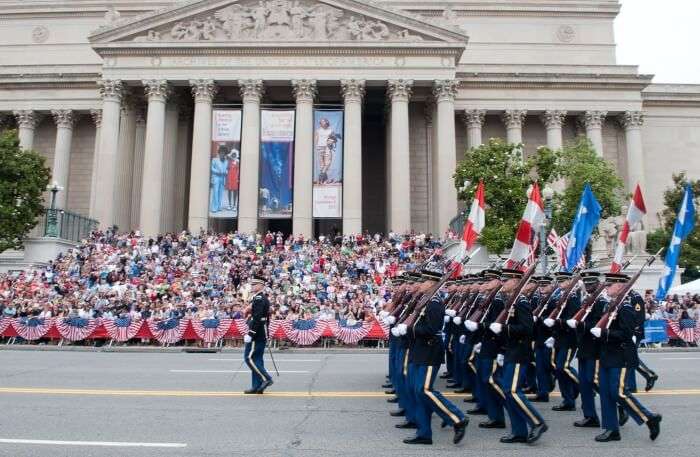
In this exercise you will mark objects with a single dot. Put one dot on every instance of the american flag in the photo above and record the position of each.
(686, 329)
(350, 334)
(122, 329)
(211, 330)
(76, 328)
(32, 328)
(559, 245)
(4, 323)
(304, 332)
(168, 331)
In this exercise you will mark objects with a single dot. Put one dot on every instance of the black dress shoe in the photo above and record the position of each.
(477, 412)
(265, 384)
(406, 425)
(392, 400)
(622, 415)
(470, 399)
(650, 383)
(654, 424)
(588, 422)
(492, 424)
(398, 413)
(388, 385)
(445, 376)
(608, 435)
(390, 392)
(537, 432)
(564, 407)
(251, 391)
(451, 385)
(418, 440)
(513, 439)
(541, 399)
(460, 427)
(463, 390)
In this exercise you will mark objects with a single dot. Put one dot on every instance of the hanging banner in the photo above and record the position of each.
(328, 164)
(276, 163)
(225, 163)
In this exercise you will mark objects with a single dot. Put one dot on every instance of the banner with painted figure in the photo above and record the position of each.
(328, 164)
(276, 164)
(225, 163)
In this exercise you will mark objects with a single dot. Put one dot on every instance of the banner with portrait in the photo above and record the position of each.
(275, 196)
(225, 163)
(328, 164)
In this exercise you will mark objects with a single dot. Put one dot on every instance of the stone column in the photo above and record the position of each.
(27, 120)
(96, 115)
(203, 91)
(399, 202)
(111, 91)
(513, 119)
(152, 186)
(553, 121)
(181, 156)
(65, 121)
(445, 157)
(430, 114)
(593, 120)
(251, 92)
(123, 183)
(172, 116)
(474, 122)
(353, 91)
(137, 170)
(302, 219)
(632, 122)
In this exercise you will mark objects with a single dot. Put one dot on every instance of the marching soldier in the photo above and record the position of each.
(649, 375)
(543, 353)
(256, 338)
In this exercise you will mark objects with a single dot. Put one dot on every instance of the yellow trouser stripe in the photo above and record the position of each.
(595, 373)
(493, 383)
(433, 398)
(567, 367)
(405, 363)
(516, 397)
(621, 394)
(554, 359)
(250, 360)
(471, 361)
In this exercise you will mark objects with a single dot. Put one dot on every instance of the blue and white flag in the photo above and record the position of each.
(586, 220)
(684, 225)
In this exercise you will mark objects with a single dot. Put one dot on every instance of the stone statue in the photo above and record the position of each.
(609, 228)
(637, 239)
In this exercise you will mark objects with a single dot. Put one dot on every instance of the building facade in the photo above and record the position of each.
(121, 98)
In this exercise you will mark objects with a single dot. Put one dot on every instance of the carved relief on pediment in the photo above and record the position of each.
(280, 20)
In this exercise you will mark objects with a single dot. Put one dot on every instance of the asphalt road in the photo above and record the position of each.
(115, 404)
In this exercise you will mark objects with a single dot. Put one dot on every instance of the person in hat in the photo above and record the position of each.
(617, 356)
(256, 338)
(640, 312)
(544, 369)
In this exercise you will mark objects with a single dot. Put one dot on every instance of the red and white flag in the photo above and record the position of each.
(527, 230)
(477, 218)
(635, 214)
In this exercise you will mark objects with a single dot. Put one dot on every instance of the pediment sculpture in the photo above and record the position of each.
(280, 20)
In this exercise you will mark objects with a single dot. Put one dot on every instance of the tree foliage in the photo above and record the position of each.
(23, 179)
(660, 238)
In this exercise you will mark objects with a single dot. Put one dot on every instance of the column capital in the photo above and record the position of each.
(474, 117)
(514, 118)
(399, 89)
(445, 90)
(157, 90)
(632, 119)
(96, 115)
(64, 118)
(553, 118)
(304, 90)
(203, 90)
(353, 90)
(27, 119)
(111, 89)
(251, 89)
(594, 119)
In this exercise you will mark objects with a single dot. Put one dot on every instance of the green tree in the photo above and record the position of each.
(661, 237)
(23, 179)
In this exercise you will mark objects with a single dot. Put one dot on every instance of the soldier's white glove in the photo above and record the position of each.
(395, 332)
(462, 339)
(496, 328)
(549, 342)
(534, 318)
(403, 329)
(549, 322)
(446, 318)
(247, 339)
(647, 316)
(477, 348)
(457, 320)
(451, 312)
(634, 339)
(500, 359)
(596, 331)
(571, 323)
(383, 314)
(391, 320)
(471, 326)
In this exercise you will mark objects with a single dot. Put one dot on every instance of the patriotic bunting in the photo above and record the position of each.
(76, 328)
(350, 332)
(4, 323)
(168, 331)
(211, 330)
(122, 329)
(242, 326)
(32, 328)
(686, 329)
(304, 332)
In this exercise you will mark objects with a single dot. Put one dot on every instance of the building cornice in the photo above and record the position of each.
(687, 95)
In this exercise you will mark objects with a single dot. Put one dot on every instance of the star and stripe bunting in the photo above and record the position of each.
(686, 329)
(304, 332)
(211, 330)
(32, 328)
(4, 323)
(350, 332)
(122, 329)
(76, 328)
(168, 331)
(241, 326)
(635, 213)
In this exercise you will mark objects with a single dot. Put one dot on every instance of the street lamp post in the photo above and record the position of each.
(548, 194)
(52, 216)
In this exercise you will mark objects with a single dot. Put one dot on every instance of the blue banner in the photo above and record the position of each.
(655, 331)
(276, 164)
(587, 217)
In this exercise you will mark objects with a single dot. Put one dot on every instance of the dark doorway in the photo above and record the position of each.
(276, 225)
(374, 162)
(328, 227)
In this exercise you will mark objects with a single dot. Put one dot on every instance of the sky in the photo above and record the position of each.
(662, 37)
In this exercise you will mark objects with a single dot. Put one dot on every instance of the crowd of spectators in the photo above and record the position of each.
(204, 276)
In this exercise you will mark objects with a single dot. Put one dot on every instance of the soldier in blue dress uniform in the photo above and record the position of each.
(649, 375)
(256, 338)
(544, 369)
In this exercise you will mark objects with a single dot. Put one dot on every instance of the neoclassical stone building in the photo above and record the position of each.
(119, 96)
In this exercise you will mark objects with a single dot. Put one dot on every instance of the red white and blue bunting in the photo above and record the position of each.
(687, 330)
(211, 330)
(76, 328)
(32, 328)
(350, 332)
(168, 331)
(122, 329)
(304, 332)
(4, 323)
